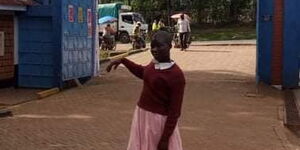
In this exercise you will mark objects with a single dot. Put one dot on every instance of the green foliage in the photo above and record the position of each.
(216, 12)
(224, 11)
(225, 33)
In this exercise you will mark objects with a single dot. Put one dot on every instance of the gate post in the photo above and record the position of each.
(277, 44)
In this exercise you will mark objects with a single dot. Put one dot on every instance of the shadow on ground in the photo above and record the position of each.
(222, 109)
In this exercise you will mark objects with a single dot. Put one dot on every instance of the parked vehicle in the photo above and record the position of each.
(126, 20)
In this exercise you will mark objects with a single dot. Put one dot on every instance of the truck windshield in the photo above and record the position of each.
(127, 19)
(138, 18)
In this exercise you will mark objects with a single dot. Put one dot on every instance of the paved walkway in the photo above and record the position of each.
(222, 109)
(12, 96)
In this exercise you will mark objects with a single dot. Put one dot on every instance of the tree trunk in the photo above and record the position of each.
(169, 11)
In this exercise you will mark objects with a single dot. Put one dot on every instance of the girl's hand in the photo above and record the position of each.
(163, 145)
(114, 65)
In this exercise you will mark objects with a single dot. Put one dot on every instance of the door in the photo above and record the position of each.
(37, 55)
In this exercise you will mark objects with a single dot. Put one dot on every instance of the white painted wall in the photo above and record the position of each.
(96, 46)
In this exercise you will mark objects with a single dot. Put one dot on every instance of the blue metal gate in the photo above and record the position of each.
(77, 45)
(264, 40)
(291, 52)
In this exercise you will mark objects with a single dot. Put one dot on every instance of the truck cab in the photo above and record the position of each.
(126, 20)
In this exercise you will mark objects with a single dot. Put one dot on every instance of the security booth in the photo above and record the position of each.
(9, 38)
(278, 50)
(56, 42)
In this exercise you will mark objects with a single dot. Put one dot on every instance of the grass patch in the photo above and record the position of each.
(104, 55)
(225, 33)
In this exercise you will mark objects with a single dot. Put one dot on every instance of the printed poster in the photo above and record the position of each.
(71, 13)
(80, 15)
(90, 23)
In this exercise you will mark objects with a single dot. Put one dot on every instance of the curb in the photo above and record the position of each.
(125, 54)
(246, 44)
(104, 60)
(5, 113)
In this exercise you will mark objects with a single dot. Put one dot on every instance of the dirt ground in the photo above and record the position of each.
(223, 108)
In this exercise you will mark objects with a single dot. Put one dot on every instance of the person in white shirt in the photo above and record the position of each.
(184, 29)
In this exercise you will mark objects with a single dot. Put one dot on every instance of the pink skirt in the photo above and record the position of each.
(146, 130)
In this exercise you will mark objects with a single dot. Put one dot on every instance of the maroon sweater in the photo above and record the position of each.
(162, 92)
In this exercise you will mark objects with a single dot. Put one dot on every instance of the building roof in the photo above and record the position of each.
(16, 2)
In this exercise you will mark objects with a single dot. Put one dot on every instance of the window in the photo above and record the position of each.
(2, 40)
(127, 19)
(139, 18)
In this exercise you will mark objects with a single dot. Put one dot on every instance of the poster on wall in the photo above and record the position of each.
(89, 23)
(80, 15)
(71, 13)
(2, 40)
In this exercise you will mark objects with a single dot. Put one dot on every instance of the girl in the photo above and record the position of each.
(154, 125)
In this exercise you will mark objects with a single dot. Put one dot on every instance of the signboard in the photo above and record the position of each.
(71, 13)
(2, 40)
(80, 15)
(89, 23)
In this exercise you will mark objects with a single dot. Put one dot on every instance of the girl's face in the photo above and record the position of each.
(160, 51)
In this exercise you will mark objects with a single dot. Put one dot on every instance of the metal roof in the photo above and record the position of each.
(15, 5)
(16, 2)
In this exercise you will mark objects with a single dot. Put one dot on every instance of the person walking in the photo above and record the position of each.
(184, 30)
(155, 26)
(161, 24)
(155, 120)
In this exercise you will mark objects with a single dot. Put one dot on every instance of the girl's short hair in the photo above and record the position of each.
(161, 37)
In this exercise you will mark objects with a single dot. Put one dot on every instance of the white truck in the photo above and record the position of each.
(126, 20)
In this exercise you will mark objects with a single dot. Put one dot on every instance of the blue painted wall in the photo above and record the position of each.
(264, 40)
(37, 62)
(291, 58)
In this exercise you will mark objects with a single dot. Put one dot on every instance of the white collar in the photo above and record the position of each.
(162, 66)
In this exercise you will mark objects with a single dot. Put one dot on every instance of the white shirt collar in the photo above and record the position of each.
(162, 66)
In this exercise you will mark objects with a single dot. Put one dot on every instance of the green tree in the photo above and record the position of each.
(217, 12)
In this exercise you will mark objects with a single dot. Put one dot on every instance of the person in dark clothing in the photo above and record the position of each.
(155, 121)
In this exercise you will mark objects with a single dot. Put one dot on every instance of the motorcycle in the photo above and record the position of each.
(139, 42)
(108, 43)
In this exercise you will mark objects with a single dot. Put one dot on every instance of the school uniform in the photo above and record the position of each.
(159, 107)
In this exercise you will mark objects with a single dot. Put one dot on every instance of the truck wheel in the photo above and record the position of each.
(124, 37)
